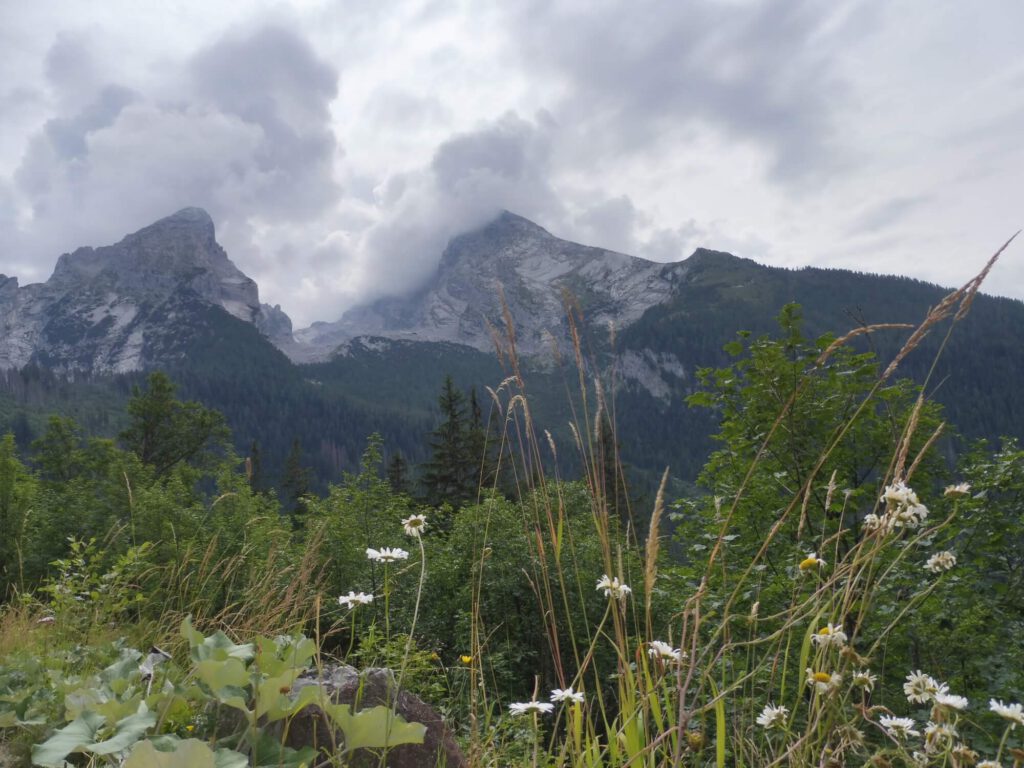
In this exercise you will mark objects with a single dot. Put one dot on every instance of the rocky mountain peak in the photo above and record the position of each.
(510, 259)
(102, 307)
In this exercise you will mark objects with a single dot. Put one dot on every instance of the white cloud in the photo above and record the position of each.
(338, 145)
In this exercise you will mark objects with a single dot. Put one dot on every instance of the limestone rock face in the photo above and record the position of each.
(371, 688)
(511, 260)
(113, 309)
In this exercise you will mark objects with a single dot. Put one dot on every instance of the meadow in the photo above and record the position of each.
(846, 589)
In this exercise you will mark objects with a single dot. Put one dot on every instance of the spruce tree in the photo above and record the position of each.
(398, 473)
(164, 432)
(449, 475)
(295, 484)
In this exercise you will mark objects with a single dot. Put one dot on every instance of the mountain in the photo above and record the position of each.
(514, 260)
(117, 308)
(169, 297)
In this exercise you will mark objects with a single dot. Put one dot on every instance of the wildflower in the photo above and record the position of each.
(863, 678)
(823, 682)
(950, 700)
(1012, 712)
(829, 635)
(957, 490)
(812, 561)
(613, 587)
(415, 525)
(912, 516)
(772, 716)
(964, 755)
(567, 695)
(937, 736)
(536, 707)
(940, 561)
(352, 599)
(873, 522)
(989, 764)
(386, 555)
(465, 659)
(920, 687)
(898, 727)
(661, 650)
(898, 495)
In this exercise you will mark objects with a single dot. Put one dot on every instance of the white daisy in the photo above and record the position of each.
(812, 562)
(660, 650)
(898, 727)
(525, 707)
(989, 764)
(898, 495)
(613, 587)
(567, 695)
(823, 682)
(950, 700)
(938, 736)
(828, 636)
(920, 687)
(940, 561)
(957, 490)
(386, 555)
(772, 716)
(415, 525)
(1012, 712)
(863, 678)
(352, 599)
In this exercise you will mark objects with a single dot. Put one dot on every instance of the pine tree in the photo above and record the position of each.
(295, 484)
(398, 473)
(254, 467)
(449, 474)
(164, 431)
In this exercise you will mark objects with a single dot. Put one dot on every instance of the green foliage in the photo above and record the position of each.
(164, 431)
(798, 430)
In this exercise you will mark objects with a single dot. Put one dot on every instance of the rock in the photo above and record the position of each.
(371, 688)
(128, 306)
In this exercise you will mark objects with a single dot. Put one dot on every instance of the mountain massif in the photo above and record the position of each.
(169, 297)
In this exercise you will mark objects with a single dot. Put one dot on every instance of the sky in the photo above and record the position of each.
(340, 144)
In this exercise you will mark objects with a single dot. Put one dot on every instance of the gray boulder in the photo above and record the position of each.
(370, 688)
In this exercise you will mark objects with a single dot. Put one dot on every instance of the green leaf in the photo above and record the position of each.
(190, 753)
(190, 633)
(374, 728)
(73, 737)
(219, 674)
(719, 727)
(129, 730)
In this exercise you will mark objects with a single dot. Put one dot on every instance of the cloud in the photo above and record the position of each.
(760, 71)
(502, 164)
(242, 127)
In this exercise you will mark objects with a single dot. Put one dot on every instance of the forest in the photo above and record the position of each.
(842, 586)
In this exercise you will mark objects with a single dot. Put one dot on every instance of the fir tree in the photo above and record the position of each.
(295, 484)
(450, 473)
(164, 431)
(398, 473)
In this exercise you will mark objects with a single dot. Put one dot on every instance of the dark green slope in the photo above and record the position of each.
(391, 387)
(976, 378)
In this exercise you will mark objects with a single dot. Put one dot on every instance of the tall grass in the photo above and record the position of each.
(698, 696)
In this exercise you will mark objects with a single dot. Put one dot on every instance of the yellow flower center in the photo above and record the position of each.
(824, 631)
(822, 677)
(808, 562)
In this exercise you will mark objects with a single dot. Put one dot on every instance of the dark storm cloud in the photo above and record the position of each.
(638, 75)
